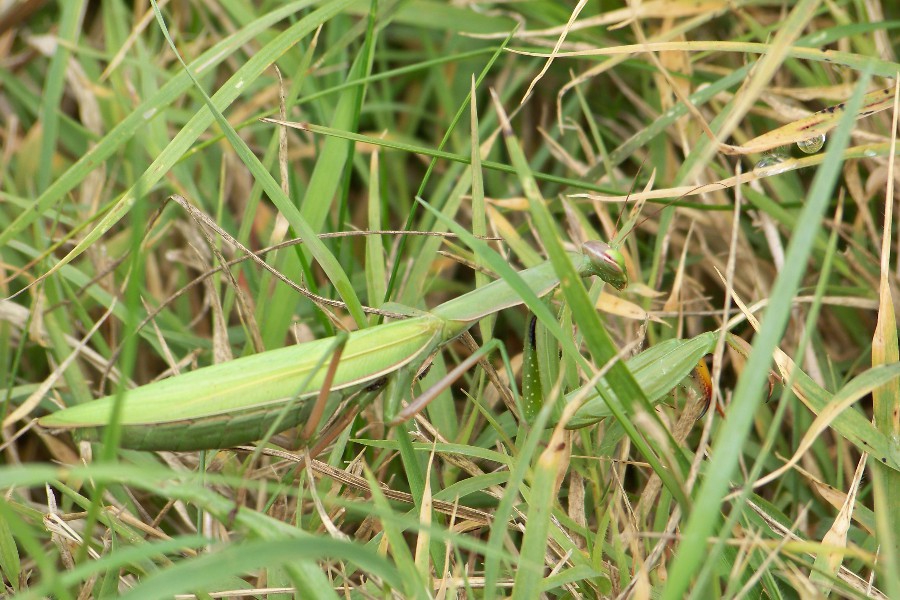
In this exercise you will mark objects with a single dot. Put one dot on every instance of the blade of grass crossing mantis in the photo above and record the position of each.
(627, 395)
(527, 295)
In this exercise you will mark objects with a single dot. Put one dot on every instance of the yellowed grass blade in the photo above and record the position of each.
(788, 164)
(618, 18)
(831, 555)
(815, 125)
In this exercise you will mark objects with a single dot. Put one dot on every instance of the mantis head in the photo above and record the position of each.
(607, 263)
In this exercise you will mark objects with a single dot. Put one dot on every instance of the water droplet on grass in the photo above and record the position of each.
(770, 164)
(812, 145)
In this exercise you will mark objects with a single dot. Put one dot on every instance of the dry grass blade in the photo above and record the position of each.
(812, 126)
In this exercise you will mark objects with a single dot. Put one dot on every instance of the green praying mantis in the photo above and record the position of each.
(250, 398)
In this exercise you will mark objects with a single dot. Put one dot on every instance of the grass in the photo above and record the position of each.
(526, 122)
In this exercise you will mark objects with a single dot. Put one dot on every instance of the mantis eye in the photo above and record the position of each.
(607, 263)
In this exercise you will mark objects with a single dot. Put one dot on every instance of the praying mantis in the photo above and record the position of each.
(250, 398)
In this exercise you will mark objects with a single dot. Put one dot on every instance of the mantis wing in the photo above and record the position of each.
(235, 402)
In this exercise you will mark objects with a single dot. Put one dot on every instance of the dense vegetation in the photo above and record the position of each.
(668, 128)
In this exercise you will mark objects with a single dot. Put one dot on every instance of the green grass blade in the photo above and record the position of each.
(10, 564)
(412, 584)
(70, 23)
(886, 398)
(550, 464)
